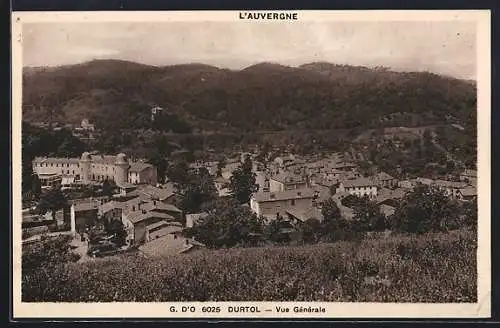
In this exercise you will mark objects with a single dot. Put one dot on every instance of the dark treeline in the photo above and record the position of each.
(42, 142)
(119, 94)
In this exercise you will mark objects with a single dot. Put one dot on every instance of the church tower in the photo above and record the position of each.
(85, 168)
(122, 166)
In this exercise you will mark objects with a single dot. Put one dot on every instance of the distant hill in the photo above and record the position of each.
(267, 96)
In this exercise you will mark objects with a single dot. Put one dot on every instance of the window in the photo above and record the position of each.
(51, 164)
(293, 202)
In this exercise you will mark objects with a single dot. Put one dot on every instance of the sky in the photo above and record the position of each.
(447, 47)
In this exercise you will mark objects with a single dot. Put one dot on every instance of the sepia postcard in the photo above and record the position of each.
(251, 164)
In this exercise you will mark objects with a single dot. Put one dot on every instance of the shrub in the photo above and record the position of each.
(431, 268)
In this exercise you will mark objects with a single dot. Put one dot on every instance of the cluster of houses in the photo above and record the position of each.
(86, 131)
(294, 188)
(92, 169)
(289, 188)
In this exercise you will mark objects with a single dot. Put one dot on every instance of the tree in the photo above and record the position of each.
(178, 173)
(36, 187)
(426, 209)
(161, 165)
(243, 182)
(116, 228)
(71, 147)
(199, 191)
(333, 224)
(470, 213)
(220, 166)
(53, 200)
(227, 224)
(47, 252)
(368, 216)
(107, 188)
(311, 230)
(51, 105)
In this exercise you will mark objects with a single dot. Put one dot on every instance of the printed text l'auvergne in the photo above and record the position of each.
(268, 16)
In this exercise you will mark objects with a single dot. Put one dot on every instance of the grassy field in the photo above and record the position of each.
(428, 268)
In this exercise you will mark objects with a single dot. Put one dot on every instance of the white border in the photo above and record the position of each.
(333, 310)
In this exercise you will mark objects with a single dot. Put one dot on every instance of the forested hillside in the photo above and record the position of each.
(265, 96)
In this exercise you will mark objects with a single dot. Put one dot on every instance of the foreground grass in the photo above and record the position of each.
(428, 268)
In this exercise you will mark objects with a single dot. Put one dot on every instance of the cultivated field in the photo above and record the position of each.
(429, 268)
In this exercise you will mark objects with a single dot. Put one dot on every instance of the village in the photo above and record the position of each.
(139, 213)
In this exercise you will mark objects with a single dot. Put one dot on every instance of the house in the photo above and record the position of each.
(262, 181)
(359, 187)
(156, 111)
(385, 180)
(469, 176)
(192, 219)
(222, 186)
(227, 171)
(301, 215)
(284, 161)
(407, 184)
(143, 219)
(450, 188)
(344, 166)
(272, 204)
(141, 173)
(389, 196)
(166, 193)
(325, 186)
(144, 224)
(467, 194)
(423, 181)
(91, 168)
(169, 244)
(387, 210)
(333, 173)
(287, 181)
(83, 214)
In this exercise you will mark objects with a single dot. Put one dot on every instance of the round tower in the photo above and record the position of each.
(121, 172)
(85, 167)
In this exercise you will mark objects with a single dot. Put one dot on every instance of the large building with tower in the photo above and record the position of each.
(93, 168)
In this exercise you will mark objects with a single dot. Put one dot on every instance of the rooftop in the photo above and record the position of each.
(450, 184)
(361, 182)
(139, 166)
(305, 214)
(468, 192)
(288, 177)
(58, 160)
(470, 173)
(166, 226)
(196, 216)
(284, 195)
(151, 206)
(86, 206)
(103, 159)
(155, 192)
(139, 216)
(384, 194)
(387, 210)
(383, 176)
